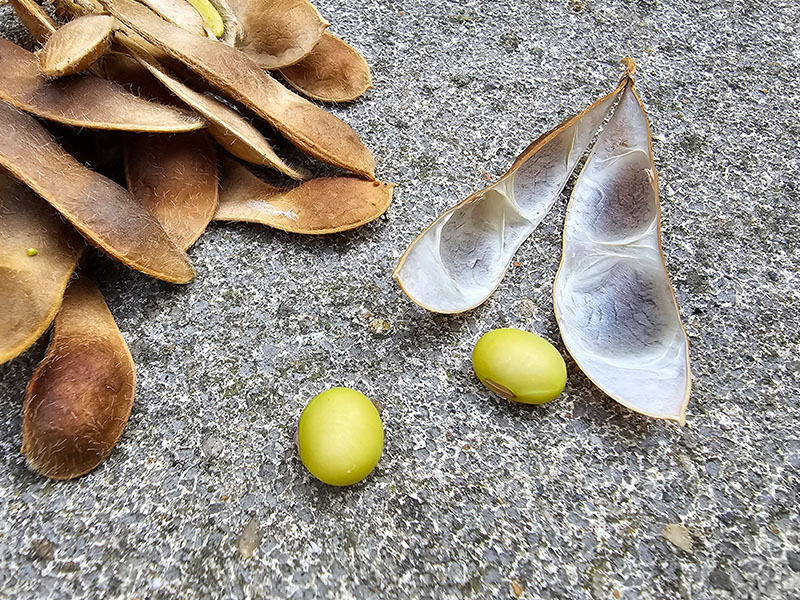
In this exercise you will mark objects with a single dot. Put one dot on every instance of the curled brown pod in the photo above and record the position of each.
(81, 394)
(318, 206)
(333, 71)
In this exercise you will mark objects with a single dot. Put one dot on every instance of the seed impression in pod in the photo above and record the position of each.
(38, 254)
(76, 45)
(340, 436)
(459, 260)
(81, 394)
(613, 299)
(519, 365)
(274, 33)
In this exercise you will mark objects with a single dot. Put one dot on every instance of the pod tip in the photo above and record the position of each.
(630, 66)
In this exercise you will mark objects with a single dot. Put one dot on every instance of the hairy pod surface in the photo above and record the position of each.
(81, 394)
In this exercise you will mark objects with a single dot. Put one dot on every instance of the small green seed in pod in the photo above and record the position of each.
(519, 366)
(340, 436)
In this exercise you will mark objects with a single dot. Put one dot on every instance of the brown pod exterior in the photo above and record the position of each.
(82, 100)
(230, 129)
(333, 71)
(101, 210)
(81, 394)
(38, 254)
(175, 178)
(318, 206)
(75, 46)
(36, 21)
(314, 131)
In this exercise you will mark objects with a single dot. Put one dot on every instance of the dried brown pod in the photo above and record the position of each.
(81, 394)
(318, 206)
(77, 8)
(175, 178)
(316, 132)
(276, 33)
(230, 129)
(83, 100)
(459, 260)
(38, 22)
(613, 300)
(102, 211)
(333, 71)
(76, 45)
(38, 253)
(179, 12)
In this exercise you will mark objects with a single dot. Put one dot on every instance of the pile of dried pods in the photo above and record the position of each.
(175, 74)
(614, 303)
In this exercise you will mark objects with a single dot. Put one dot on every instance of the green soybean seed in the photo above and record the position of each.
(519, 366)
(340, 436)
(32, 252)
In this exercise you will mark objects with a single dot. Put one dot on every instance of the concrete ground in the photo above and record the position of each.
(205, 497)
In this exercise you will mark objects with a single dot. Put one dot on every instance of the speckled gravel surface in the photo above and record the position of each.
(566, 500)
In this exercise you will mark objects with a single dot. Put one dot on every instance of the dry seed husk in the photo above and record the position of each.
(318, 206)
(179, 12)
(81, 394)
(175, 178)
(613, 299)
(231, 130)
(31, 287)
(277, 33)
(316, 132)
(333, 71)
(36, 21)
(83, 100)
(76, 45)
(102, 211)
(460, 259)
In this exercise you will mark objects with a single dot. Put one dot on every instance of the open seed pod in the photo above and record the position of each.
(75, 46)
(82, 100)
(460, 259)
(333, 71)
(318, 206)
(613, 299)
(38, 253)
(273, 33)
(311, 129)
(102, 211)
(175, 178)
(81, 394)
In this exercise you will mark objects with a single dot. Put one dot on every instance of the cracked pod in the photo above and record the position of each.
(613, 299)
